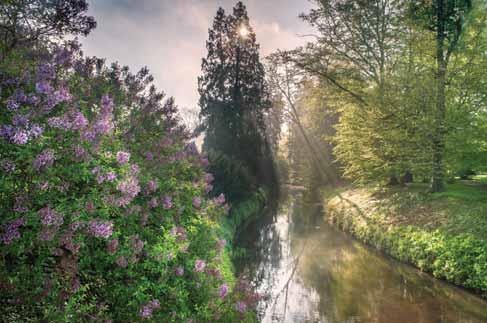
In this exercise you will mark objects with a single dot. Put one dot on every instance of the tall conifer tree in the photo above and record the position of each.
(234, 98)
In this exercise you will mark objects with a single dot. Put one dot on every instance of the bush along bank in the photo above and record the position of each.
(105, 212)
(243, 212)
(439, 240)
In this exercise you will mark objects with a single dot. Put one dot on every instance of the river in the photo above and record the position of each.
(307, 271)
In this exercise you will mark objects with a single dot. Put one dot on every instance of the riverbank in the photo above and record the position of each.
(443, 233)
(243, 212)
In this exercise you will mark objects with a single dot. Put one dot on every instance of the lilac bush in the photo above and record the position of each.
(105, 214)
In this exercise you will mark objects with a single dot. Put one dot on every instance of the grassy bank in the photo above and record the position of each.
(444, 234)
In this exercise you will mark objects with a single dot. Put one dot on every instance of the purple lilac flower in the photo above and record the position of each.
(220, 199)
(100, 178)
(179, 233)
(100, 228)
(208, 178)
(19, 205)
(151, 186)
(63, 56)
(136, 244)
(149, 156)
(36, 130)
(197, 202)
(111, 176)
(62, 95)
(50, 217)
(220, 244)
(112, 246)
(155, 304)
(167, 202)
(59, 123)
(153, 203)
(199, 265)
(123, 157)
(8, 166)
(20, 137)
(146, 311)
(204, 162)
(79, 152)
(44, 159)
(223, 291)
(134, 168)
(11, 231)
(122, 262)
(43, 87)
(79, 121)
(12, 104)
(241, 306)
(46, 71)
(129, 188)
(179, 271)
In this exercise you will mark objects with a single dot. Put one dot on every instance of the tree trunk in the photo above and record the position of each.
(437, 182)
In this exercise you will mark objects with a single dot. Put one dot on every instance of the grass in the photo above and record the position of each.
(442, 233)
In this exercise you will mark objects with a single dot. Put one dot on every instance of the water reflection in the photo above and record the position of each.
(312, 273)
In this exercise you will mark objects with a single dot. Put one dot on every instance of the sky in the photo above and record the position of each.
(169, 36)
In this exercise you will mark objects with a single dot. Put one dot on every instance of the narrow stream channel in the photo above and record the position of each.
(310, 272)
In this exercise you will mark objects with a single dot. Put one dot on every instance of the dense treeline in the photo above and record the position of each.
(405, 79)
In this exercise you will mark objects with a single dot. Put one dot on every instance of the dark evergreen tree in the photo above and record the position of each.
(233, 101)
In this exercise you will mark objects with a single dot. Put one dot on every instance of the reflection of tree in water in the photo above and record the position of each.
(337, 279)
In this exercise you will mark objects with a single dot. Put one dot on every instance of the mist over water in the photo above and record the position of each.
(310, 272)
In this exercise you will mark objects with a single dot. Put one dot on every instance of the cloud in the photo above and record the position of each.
(170, 36)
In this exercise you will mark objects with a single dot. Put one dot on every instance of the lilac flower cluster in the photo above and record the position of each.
(103, 124)
(197, 202)
(223, 291)
(50, 217)
(167, 202)
(147, 310)
(220, 199)
(123, 157)
(151, 186)
(44, 160)
(199, 266)
(7, 166)
(136, 244)
(11, 231)
(21, 130)
(208, 179)
(100, 228)
(241, 307)
(129, 188)
(179, 233)
(73, 120)
(179, 271)
(20, 204)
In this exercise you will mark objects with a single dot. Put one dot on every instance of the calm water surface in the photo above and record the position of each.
(311, 272)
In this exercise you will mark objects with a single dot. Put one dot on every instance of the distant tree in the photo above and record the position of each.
(24, 22)
(234, 98)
